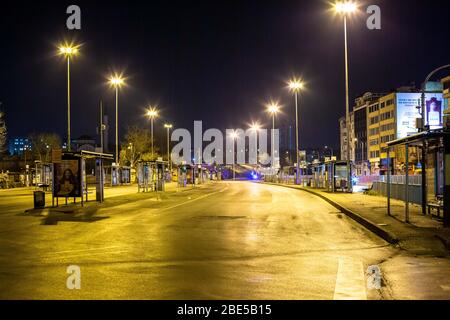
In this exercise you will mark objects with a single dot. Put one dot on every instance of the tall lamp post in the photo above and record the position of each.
(273, 108)
(255, 127)
(345, 9)
(116, 81)
(168, 126)
(152, 113)
(331, 150)
(130, 147)
(68, 51)
(234, 136)
(295, 86)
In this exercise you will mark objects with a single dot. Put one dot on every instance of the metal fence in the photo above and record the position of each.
(398, 188)
(413, 180)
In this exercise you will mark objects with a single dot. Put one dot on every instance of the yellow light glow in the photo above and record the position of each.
(152, 113)
(273, 108)
(255, 126)
(68, 50)
(234, 135)
(345, 7)
(116, 80)
(168, 126)
(295, 85)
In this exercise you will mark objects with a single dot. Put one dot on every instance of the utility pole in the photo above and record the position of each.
(102, 126)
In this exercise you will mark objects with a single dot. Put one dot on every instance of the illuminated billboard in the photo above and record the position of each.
(67, 179)
(407, 112)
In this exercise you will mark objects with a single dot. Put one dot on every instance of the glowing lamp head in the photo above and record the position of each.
(295, 85)
(168, 126)
(116, 81)
(273, 108)
(346, 7)
(152, 113)
(234, 135)
(255, 126)
(68, 50)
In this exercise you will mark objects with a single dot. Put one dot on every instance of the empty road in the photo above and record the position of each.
(227, 240)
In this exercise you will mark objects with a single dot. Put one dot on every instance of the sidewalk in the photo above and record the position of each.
(423, 235)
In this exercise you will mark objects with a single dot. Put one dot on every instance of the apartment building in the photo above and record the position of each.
(360, 142)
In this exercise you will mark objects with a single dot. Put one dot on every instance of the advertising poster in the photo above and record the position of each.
(434, 113)
(407, 112)
(67, 177)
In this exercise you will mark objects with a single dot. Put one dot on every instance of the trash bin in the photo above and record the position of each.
(39, 199)
(160, 185)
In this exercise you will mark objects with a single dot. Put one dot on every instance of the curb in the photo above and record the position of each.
(384, 234)
(444, 241)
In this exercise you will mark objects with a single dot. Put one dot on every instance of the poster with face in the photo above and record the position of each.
(67, 179)
(434, 113)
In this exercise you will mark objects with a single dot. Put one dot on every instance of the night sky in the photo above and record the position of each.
(216, 61)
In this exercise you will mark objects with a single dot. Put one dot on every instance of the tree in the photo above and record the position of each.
(42, 145)
(3, 132)
(137, 146)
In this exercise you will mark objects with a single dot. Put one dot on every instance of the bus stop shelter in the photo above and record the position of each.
(151, 175)
(70, 178)
(434, 146)
(336, 175)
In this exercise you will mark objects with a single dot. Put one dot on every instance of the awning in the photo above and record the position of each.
(419, 138)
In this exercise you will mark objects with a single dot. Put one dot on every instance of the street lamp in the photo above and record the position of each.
(234, 135)
(295, 86)
(130, 147)
(152, 113)
(331, 150)
(255, 126)
(168, 126)
(273, 108)
(345, 9)
(116, 81)
(68, 51)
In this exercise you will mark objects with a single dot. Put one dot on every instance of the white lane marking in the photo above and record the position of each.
(193, 200)
(82, 250)
(350, 280)
(85, 255)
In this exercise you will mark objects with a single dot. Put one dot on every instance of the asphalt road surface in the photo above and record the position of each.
(235, 240)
